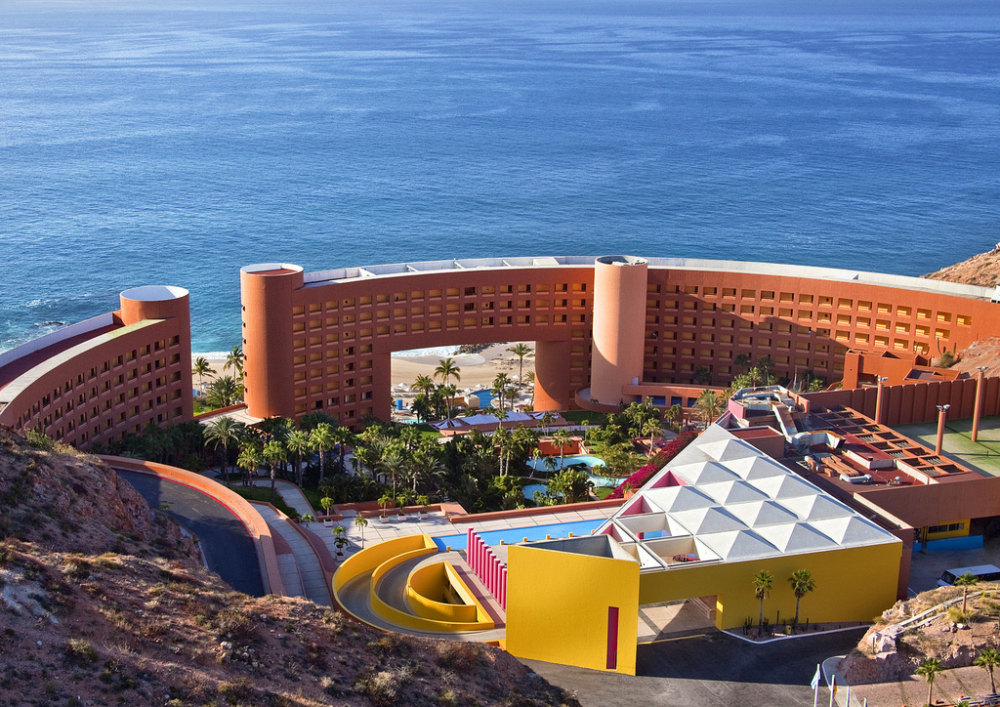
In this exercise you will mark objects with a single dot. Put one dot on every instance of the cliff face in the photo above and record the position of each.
(982, 269)
(103, 601)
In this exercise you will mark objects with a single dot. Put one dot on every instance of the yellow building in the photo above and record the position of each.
(718, 514)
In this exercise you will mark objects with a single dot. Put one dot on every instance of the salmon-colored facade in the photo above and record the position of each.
(322, 341)
(106, 377)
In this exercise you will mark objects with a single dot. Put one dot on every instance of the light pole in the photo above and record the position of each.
(979, 400)
(942, 414)
(878, 398)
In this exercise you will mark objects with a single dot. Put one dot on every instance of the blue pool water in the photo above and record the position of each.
(572, 459)
(516, 535)
(485, 397)
(529, 490)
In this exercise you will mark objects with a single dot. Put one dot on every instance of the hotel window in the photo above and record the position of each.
(728, 291)
(805, 299)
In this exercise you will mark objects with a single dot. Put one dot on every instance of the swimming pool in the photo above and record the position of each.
(516, 535)
(485, 397)
(539, 464)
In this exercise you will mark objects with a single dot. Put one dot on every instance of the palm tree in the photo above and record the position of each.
(223, 431)
(273, 453)
(965, 581)
(249, 460)
(547, 418)
(298, 445)
(520, 350)
(762, 582)
(741, 361)
(361, 523)
(802, 583)
(322, 439)
(709, 405)
(202, 368)
(561, 438)
(343, 437)
(383, 502)
(234, 360)
(423, 384)
(393, 463)
(446, 370)
(500, 385)
(652, 428)
(572, 484)
(988, 659)
(223, 392)
(929, 670)
(449, 391)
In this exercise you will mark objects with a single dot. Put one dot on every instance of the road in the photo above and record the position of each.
(714, 670)
(224, 540)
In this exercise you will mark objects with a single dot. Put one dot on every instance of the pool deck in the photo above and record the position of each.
(436, 524)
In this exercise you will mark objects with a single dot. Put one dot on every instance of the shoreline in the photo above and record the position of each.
(477, 370)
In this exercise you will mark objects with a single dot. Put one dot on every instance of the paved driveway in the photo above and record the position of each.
(224, 540)
(714, 670)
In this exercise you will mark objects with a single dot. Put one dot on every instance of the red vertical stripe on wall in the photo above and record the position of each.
(612, 638)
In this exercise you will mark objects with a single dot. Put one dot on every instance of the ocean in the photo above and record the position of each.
(173, 142)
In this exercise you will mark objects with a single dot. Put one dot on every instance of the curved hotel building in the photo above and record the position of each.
(607, 329)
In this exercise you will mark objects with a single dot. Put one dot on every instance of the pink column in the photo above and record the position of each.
(503, 587)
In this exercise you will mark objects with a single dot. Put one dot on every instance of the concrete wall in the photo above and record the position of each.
(558, 605)
(915, 402)
(852, 584)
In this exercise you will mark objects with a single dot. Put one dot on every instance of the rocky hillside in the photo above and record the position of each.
(892, 649)
(982, 269)
(103, 601)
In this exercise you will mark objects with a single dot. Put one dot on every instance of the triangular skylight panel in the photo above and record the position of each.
(785, 487)
(733, 492)
(757, 468)
(708, 520)
(678, 498)
(851, 530)
(703, 473)
(729, 449)
(762, 513)
(738, 544)
(795, 537)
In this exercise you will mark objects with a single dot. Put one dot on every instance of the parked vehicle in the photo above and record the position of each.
(983, 573)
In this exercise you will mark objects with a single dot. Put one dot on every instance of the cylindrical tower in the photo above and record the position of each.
(156, 302)
(552, 388)
(619, 326)
(266, 295)
(171, 303)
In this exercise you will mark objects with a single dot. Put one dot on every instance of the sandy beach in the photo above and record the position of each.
(477, 370)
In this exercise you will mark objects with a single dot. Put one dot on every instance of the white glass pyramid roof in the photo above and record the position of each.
(738, 503)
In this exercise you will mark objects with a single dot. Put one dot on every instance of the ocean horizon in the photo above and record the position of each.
(173, 143)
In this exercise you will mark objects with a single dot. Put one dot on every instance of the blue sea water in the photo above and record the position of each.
(172, 142)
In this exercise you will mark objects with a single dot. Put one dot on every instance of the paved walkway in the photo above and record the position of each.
(307, 565)
(290, 493)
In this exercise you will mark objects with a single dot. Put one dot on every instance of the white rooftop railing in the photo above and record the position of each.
(324, 277)
(52, 338)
